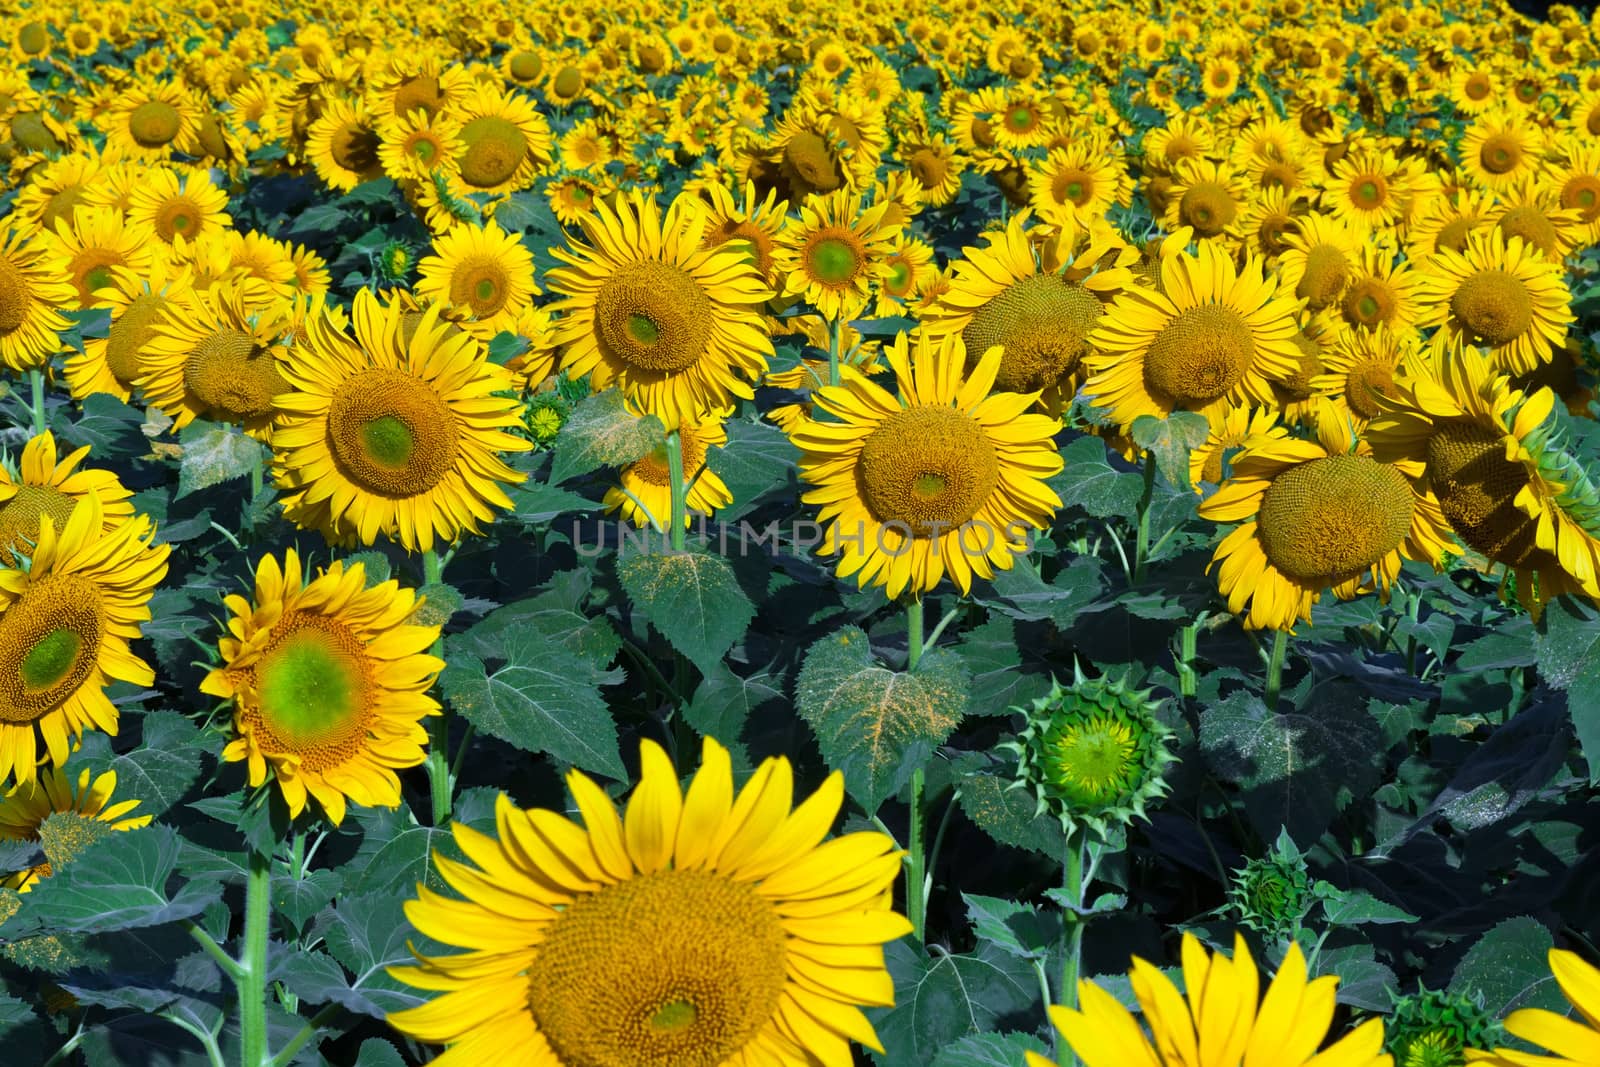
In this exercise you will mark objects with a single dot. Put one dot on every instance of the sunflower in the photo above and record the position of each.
(412, 146)
(504, 140)
(32, 289)
(1378, 293)
(834, 252)
(41, 487)
(1569, 1040)
(649, 307)
(407, 84)
(751, 222)
(397, 432)
(65, 624)
(1221, 1023)
(1185, 137)
(213, 354)
(1498, 294)
(482, 270)
(1229, 429)
(1447, 222)
(943, 478)
(1371, 188)
(1041, 313)
(1533, 211)
(1473, 89)
(1208, 197)
(1360, 369)
(1080, 182)
(329, 684)
(708, 928)
(180, 208)
(342, 144)
(936, 166)
(1318, 260)
(112, 364)
(1211, 336)
(1496, 461)
(1219, 77)
(1500, 149)
(28, 803)
(1315, 515)
(97, 240)
(571, 198)
(151, 122)
(907, 267)
(1574, 181)
(645, 494)
(1267, 221)
(56, 189)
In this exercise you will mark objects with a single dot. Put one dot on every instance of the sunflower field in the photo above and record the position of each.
(789, 534)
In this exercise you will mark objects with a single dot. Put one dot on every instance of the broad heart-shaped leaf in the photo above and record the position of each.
(938, 1000)
(117, 884)
(108, 426)
(1022, 594)
(64, 835)
(1170, 440)
(375, 1052)
(990, 1050)
(1510, 967)
(692, 597)
(1293, 766)
(723, 702)
(535, 502)
(602, 432)
(1569, 658)
(213, 454)
(993, 655)
(1087, 480)
(366, 934)
(1363, 981)
(544, 694)
(875, 724)
(170, 756)
(1348, 907)
(396, 854)
(24, 1034)
(300, 899)
(757, 460)
(1020, 929)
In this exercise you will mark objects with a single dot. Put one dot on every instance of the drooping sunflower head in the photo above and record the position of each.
(1434, 1028)
(329, 683)
(1093, 753)
(683, 930)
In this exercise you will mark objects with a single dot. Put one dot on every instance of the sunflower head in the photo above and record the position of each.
(1432, 1028)
(1272, 893)
(1093, 753)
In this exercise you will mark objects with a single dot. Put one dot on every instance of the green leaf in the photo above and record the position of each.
(117, 884)
(300, 899)
(990, 1050)
(602, 432)
(758, 460)
(1170, 440)
(992, 654)
(1090, 482)
(1347, 907)
(1024, 595)
(440, 603)
(940, 1000)
(368, 934)
(376, 1052)
(1293, 766)
(108, 426)
(160, 771)
(873, 723)
(544, 696)
(535, 502)
(1363, 982)
(1569, 658)
(214, 454)
(724, 701)
(1509, 966)
(692, 598)
(65, 834)
(1020, 929)
(1010, 815)
(396, 854)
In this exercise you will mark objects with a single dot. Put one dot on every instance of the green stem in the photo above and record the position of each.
(252, 981)
(1073, 962)
(938, 630)
(438, 725)
(297, 855)
(286, 1054)
(36, 383)
(834, 331)
(67, 1049)
(1280, 648)
(1187, 677)
(913, 633)
(680, 491)
(1141, 545)
(916, 873)
(229, 965)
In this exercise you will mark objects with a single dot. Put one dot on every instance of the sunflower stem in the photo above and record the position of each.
(833, 351)
(913, 633)
(229, 965)
(36, 384)
(1073, 883)
(680, 491)
(252, 980)
(1280, 648)
(916, 873)
(438, 725)
(307, 1032)
(1141, 544)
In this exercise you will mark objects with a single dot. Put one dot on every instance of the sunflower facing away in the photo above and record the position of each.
(27, 804)
(942, 479)
(33, 288)
(329, 684)
(1210, 337)
(65, 624)
(1571, 1041)
(646, 306)
(1222, 1022)
(702, 929)
(40, 486)
(1314, 515)
(397, 432)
